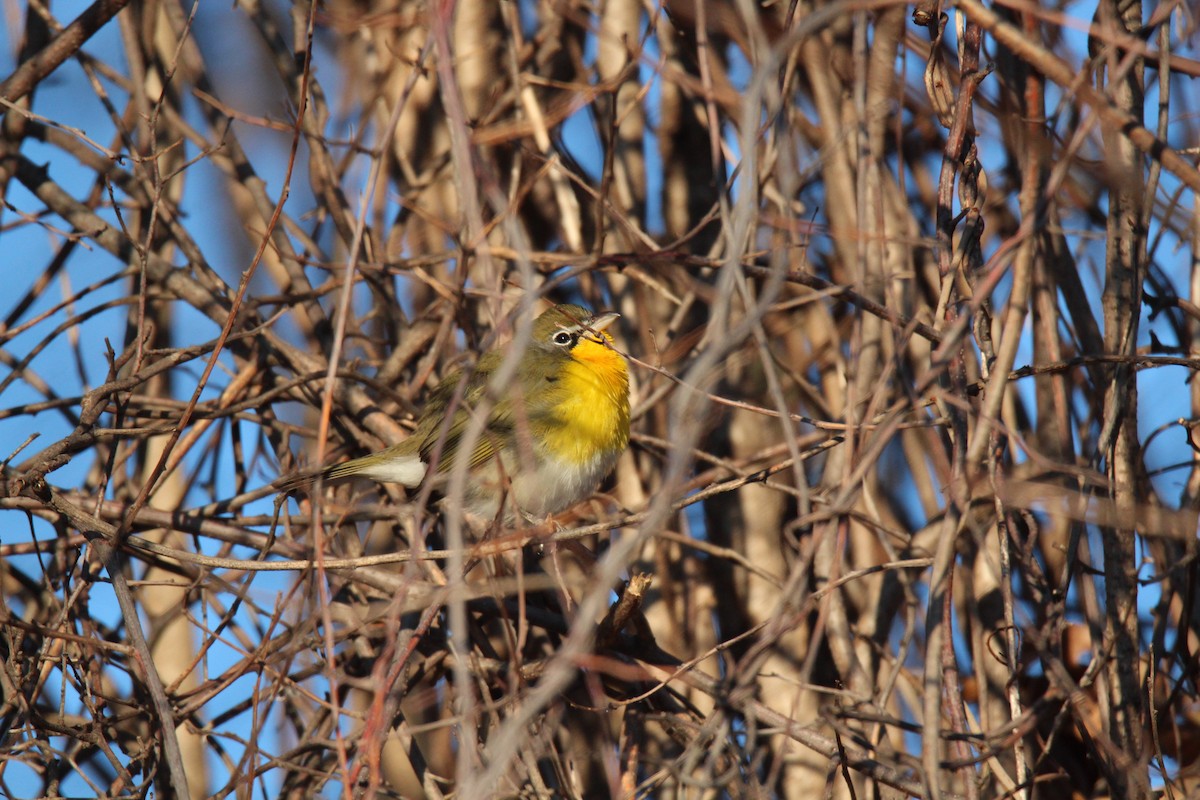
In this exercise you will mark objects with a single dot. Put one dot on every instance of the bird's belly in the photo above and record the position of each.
(557, 483)
(535, 490)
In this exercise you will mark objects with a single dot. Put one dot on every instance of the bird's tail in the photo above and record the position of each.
(406, 469)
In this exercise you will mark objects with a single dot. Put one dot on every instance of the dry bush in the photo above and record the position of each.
(911, 306)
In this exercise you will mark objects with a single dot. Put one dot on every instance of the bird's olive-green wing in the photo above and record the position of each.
(522, 407)
(497, 432)
(437, 436)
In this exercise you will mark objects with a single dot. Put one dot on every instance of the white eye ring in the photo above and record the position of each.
(563, 338)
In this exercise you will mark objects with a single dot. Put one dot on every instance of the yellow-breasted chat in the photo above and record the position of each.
(551, 434)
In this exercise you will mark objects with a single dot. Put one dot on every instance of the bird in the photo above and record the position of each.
(552, 433)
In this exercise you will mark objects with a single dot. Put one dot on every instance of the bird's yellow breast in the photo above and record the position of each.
(594, 410)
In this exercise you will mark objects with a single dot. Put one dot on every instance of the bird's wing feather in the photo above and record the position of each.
(510, 414)
(451, 393)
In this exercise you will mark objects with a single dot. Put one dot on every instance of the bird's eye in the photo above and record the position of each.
(563, 338)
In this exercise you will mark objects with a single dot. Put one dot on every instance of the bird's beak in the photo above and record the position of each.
(602, 321)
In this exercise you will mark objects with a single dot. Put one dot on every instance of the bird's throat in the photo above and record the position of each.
(594, 414)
